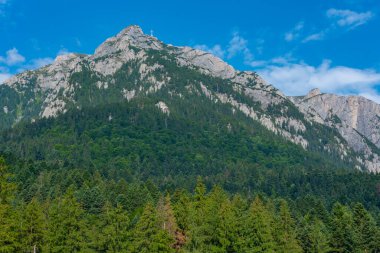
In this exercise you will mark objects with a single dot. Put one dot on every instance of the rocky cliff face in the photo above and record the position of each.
(133, 64)
(356, 118)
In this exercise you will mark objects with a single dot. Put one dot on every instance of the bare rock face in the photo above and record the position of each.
(207, 62)
(132, 35)
(356, 118)
(313, 93)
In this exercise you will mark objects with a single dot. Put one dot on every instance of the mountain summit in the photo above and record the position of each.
(133, 66)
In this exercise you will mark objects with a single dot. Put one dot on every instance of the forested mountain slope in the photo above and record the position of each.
(148, 147)
(133, 66)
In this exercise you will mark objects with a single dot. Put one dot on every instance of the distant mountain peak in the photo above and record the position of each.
(130, 36)
(312, 93)
(132, 30)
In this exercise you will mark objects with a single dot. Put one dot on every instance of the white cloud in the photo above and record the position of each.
(216, 50)
(371, 95)
(295, 32)
(13, 62)
(36, 63)
(41, 62)
(257, 63)
(4, 76)
(299, 78)
(341, 18)
(283, 59)
(315, 36)
(238, 45)
(12, 57)
(348, 18)
(63, 51)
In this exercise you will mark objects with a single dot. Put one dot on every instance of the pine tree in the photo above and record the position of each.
(166, 216)
(364, 229)
(227, 227)
(33, 226)
(199, 228)
(240, 208)
(115, 232)
(200, 190)
(257, 230)
(206, 219)
(8, 217)
(7, 189)
(314, 236)
(182, 210)
(341, 225)
(148, 236)
(65, 231)
(284, 233)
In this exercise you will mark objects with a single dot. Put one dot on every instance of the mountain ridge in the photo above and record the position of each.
(132, 64)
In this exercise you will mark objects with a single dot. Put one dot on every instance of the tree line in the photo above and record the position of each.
(198, 221)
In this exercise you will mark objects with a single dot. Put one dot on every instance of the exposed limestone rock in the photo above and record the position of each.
(313, 93)
(132, 35)
(356, 118)
(53, 109)
(163, 107)
(207, 62)
(265, 120)
(129, 94)
(354, 112)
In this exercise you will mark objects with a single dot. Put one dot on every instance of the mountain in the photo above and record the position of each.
(356, 118)
(179, 88)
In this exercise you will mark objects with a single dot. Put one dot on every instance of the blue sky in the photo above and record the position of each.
(296, 44)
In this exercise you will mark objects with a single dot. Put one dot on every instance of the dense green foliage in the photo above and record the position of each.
(100, 180)
(135, 141)
(202, 221)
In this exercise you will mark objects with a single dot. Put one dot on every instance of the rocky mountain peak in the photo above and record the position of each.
(131, 31)
(312, 93)
(130, 36)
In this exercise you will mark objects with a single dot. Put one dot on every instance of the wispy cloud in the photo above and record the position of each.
(349, 18)
(4, 76)
(216, 50)
(36, 64)
(40, 62)
(12, 57)
(238, 45)
(13, 62)
(315, 36)
(295, 32)
(299, 78)
(339, 19)
(63, 51)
